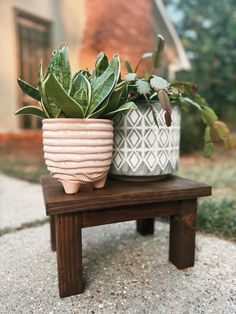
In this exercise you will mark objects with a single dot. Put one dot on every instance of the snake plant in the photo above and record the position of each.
(152, 88)
(100, 94)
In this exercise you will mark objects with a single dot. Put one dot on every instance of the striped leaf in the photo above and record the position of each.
(82, 91)
(44, 102)
(101, 64)
(29, 90)
(104, 84)
(61, 99)
(32, 110)
(60, 67)
(127, 106)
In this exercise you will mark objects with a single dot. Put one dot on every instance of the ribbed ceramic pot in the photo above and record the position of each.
(78, 151)
(143, 151)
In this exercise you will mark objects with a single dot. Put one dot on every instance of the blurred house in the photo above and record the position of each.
(31, 29)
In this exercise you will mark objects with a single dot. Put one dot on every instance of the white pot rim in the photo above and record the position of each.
(80, 120)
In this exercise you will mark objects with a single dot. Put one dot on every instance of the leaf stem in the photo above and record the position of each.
(152, 109)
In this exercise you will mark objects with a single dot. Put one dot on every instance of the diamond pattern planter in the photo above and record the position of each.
(141, 149)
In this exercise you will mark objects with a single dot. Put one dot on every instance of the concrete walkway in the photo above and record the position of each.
(123, 271)
(20, 202)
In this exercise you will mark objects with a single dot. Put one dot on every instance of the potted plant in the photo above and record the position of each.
(146, 140)
(76, 113)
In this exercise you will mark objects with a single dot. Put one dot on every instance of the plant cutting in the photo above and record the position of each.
(146, 141)
(77, 113)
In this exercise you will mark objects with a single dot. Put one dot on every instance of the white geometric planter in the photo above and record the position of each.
(78, 151)
(142, 150)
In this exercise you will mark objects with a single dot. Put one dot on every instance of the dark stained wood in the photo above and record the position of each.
(69, 254)
(53, 232)
(145, 226)
(182, 235)
(126, 213)
(120, 201)
(117, 193)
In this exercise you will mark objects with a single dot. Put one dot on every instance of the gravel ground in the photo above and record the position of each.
(20, 202)
(123, 273)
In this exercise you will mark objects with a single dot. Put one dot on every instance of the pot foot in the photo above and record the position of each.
(70, 187)
(100, 183)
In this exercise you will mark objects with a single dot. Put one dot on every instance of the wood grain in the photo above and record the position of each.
(69, 254)
(120, 201)
(182, 235)
(126, 213)
(118, 193)
(53, 232)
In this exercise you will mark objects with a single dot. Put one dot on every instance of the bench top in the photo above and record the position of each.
(119, 193)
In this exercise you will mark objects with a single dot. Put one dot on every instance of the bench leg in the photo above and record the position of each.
(145, 226)
(182, 235)
(53, 232)
(69, 254)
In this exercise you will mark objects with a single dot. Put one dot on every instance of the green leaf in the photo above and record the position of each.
(86, 73)
(61, 98)
(82, 89)
(118, 97)
(187, 100)
(158, 82)
(128, 67)
(104, 84)
(156, 56)
(208, 146)
(29, 89)
(48, 106)
(101, 64)
(129, 77)
(143, 87)
(44, 103)
(188, 87)
(32, 110)
(99, 111)
(60, 67)
(126, 106)
(208, 115)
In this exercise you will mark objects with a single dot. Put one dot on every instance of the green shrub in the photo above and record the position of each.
(218, 216)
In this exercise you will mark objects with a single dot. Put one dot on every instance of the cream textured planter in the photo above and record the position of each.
(78, 151)
(143, 151)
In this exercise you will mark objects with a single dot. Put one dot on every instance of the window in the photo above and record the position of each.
(34, 44)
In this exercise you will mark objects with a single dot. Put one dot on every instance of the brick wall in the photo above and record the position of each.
(22, 145)
(116, 26)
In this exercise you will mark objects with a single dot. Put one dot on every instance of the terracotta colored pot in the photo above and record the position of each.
(78, 151)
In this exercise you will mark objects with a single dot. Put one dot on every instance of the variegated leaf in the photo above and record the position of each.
(61, 98)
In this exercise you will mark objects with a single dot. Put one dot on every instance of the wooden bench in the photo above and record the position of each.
(120, 201)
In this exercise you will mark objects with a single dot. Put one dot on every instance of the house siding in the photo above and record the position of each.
(64, 29)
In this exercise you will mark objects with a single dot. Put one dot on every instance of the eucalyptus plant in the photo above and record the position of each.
(153, 88)
(100, 94)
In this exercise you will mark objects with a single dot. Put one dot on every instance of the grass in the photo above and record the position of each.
(23, 169)
(216, 214)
